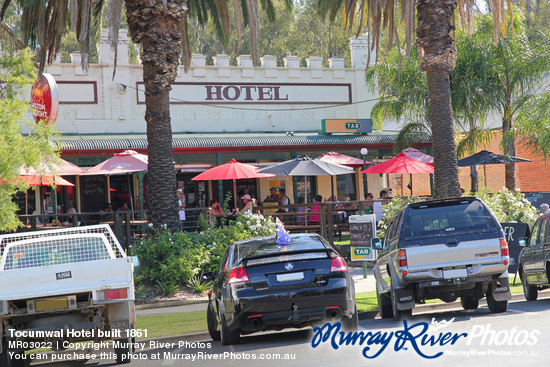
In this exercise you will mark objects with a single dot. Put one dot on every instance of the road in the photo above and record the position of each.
(519, 336)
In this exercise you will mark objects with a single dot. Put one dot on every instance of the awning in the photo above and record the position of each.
(218, 143)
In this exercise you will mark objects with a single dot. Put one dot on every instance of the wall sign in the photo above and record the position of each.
(45, 99)
(256, 93)
(346, 126)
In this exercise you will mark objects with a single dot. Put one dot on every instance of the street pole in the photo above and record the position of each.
(364, 152)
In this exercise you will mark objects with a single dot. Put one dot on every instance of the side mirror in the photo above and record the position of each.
(522, 242)
(376, 244)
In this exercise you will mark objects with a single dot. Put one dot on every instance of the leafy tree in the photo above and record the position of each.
(17, 73)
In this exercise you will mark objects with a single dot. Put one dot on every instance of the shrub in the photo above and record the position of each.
(390, 210)
(178, 257)
(167, 288)
(171, 257)
(509, 206)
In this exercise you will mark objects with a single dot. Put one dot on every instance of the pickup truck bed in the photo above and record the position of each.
(64, 280)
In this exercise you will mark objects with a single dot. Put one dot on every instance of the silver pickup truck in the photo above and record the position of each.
(442, 249)
(61, 286)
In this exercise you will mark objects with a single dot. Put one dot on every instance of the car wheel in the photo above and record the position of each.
(122, 353)
(384, 305)
(351, 323)
(494, 305)
(213, 324)
(469, 302)
(398, 314)
(529, 291)
(227, 336)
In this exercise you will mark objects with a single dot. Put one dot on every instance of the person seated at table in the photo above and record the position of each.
(69, 221)
(316, 209)
(215, 211)
(348, 205)
(368, 206)
(248, 204)
(273, 197)
(283, 200)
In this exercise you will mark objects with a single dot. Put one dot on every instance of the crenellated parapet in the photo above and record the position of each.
(214, 98)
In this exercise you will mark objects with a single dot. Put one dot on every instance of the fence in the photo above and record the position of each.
(329, 219)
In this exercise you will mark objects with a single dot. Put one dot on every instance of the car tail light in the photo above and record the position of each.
(504, 248)
(402, 258)
(109, 294)
(338, 264)
(238, 275)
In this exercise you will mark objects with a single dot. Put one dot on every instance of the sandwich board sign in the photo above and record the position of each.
(362, 228)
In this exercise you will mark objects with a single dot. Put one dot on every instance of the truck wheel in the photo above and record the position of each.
(123, 351)
(213, 324)
(228, 337)
(469, 302)
(352, 323)
(398, 314)
(6, 361)
(384, 305)
(494, 305)
(529, 291)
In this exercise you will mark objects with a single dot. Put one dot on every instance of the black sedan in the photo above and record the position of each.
(263, 285)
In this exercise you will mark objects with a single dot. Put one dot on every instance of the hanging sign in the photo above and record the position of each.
(45, 99)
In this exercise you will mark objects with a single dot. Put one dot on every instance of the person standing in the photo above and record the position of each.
(377, 206)
(283, 200)
(181, 205)
(368, 206)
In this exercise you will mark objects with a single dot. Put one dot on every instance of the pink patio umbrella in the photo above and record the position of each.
(125, 162)
(232, 170)
(342, 159)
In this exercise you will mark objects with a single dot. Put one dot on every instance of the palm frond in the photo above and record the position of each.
(4, 8)
(410, 133)
(239, 21)
(473, 140)
(114, 23)
(8, 40)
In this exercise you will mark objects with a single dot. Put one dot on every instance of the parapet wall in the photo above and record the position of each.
(214, 99)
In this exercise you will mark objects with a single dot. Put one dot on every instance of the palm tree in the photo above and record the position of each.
(435, 41)
(160, 27)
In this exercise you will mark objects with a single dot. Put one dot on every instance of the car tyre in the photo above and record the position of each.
(213, 324)
(529, 291)
(122, 353)
(398, 314)
(494, 305)
(384, 305)
(351, 323)
(469, 302)
(227, 336)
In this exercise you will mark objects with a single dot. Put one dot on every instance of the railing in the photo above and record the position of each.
(329, 221)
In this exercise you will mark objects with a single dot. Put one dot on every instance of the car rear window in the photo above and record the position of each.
(268, 247)
(445, 217)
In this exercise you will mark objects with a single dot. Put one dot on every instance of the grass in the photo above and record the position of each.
(172, 324)
(192, 322)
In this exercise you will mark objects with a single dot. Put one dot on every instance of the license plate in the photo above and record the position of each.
(289, 277)
(455, 273)
(51, 304)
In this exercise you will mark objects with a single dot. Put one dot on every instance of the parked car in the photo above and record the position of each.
(442, 249)
(534, 259)
(263, 285)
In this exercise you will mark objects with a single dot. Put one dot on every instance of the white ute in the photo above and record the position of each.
(64, 285)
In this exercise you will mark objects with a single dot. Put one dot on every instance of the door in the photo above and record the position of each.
(529, 254)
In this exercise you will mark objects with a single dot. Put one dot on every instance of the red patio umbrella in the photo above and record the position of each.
(401, 164)
(232, 170)
(37, 180)
(344, 160)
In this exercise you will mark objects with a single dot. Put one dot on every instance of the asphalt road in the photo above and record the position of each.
(520, 336)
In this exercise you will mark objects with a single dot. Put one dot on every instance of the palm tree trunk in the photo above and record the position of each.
(509, 150)
(438, 57)
(156, 24)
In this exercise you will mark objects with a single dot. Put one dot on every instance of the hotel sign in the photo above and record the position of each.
(255, 93)
(347, 126)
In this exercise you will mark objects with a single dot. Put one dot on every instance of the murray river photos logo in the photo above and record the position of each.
(422, 337)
